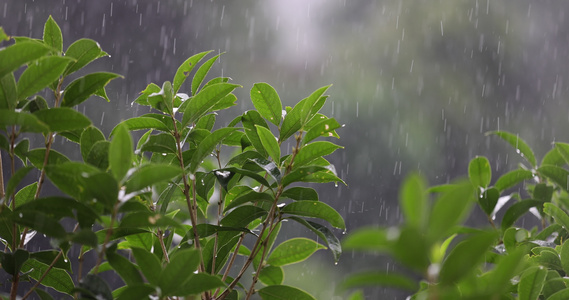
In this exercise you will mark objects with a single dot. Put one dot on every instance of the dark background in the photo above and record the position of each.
(416, 83)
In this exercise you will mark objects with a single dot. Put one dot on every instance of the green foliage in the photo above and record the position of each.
(171, 218)
(498, 261)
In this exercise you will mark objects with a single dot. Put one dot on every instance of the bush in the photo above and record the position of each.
(164, 213)
(458, 262)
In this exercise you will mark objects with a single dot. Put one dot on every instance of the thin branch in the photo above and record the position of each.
(107, 238)
(43, 275)
(160, 236)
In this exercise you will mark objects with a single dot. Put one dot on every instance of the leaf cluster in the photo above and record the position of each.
(167, 213)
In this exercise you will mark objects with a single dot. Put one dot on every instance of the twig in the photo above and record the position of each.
(43, 275)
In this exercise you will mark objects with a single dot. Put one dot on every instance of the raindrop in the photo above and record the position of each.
(20, 215)
(102, 118)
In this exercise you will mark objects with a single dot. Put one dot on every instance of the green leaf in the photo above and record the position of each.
(126, 269)
(246, 197)
(40, 222)
(513, 178)
(488, 200)
(283, 292)
(413, 200)
(57, 279)
(508, 267)
(479, 172)
(91, 190)
(27, 122)
(94, 287)
(181, 267)
(68, 177)
(377, 279)
(291, 122)
(150, 174)
(89, 137)
(324, 128)
(267, 102)
(12, 262)
(202, 72)
(135, 292)
(148, 263)
(517, 210)
(450, 209)
(8, 92)
(269, 143)
(26, 194)
(563, 150)
(120, 152)
(3, 35)
(300, 193)
(138, 123)
(260, 179)
(556, 174)
(564, 255)
(315, 209)
(531, 283)
(465, 256)
(83, 87)
(560, 295)
(15, 180)
(83, 51)
(325, 234)
(313, 151)
(186, 68)
(242, 216)
(203, 102)
(41, 74)
(52, 35)
(37, 157)
(520, 145)
(160, 143)
(62, 119)
(163, 100)
(311, 174)
(199, 283)
(271, 275)
(16, 55)
(270, 167)
(292, 251)
(207, 146)
(557, 213)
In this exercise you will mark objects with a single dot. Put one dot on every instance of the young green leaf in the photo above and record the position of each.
(465, 256)
(27, 122)
(413, 200)
(207, 146)
(292, 251)
(517, 210)
(202, 72)
(531, 283)
(315, 209)
(84, 87)
(89, 137)
(120, 153)
(16, 55)
(52, 35)
(203, 102)
(148, 263)
(8, 92)
(83, 51)
(41, 74)
(150, 174)
(269, 143)
(557, 213)
(26, 194)
(312, 151)
(282, 292)
(513, 178)
(181, 267)
(479, 172)
(520, 145)
(185, 69)
(62, 119)
(313, 104)
(267, 102)
(324, 128)
(292, 121)
(271, 275)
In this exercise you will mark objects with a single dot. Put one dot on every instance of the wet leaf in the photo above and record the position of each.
(83, 87)
(16, 55)
(271, 275)
(203, 102)
(517, 210)
(8, 92)
(267, 102)
(160, 143)
(300, 193)
(52, 35)
(150, 174)
(41, 74)
(513, 178)
(531, 283)
(207, 146)
(520, 145)
(282, 292)
(556, 174)
(15, 180)
(451, 208)
(12, 262)
(83, 51)
(413, 200)
(37, 157)
(27, 122)
(120, 153)
(94, 287)
(202, 72)
(557, 213)
(292, 251)
(181, 267)
(139, 123)
(270, 143)
(315, 209)
(269, 166)
(186, 68)
(89, 137)
(126, 269)
(488, 200)
(313, 151)
(325, 128)
(325, 234)
(479, 172)
(57, 279)
(376, 279)
(199, 283)
(62, 119)
(243, 215)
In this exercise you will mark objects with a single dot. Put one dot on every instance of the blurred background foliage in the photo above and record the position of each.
(417, 83)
